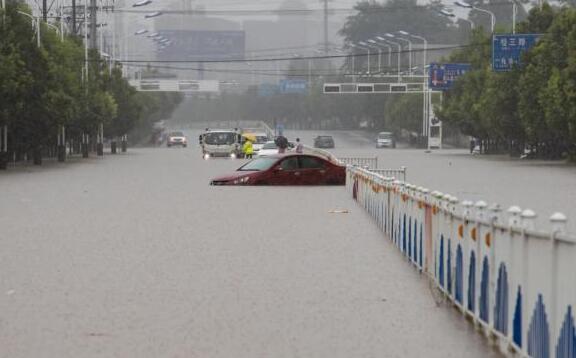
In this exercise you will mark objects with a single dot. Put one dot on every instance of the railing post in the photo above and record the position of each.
(491, 242)
(558, 221)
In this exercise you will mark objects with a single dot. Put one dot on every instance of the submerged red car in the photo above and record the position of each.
(287, 169)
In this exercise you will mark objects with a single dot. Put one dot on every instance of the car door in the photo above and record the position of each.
(286, 172)
(313, 170)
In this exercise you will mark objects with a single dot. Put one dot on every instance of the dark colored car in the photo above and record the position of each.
(324, 141)
(176, 138)
(288, 169)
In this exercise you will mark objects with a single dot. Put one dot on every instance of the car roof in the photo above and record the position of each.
(287, 155)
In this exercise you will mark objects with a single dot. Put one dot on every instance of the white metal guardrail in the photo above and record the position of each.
(516, 283)
(364, 162)
(399, 174)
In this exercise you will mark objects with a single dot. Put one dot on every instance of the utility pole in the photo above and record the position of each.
(325, 27)
(93, 24)
(44, 11)
(74, 29)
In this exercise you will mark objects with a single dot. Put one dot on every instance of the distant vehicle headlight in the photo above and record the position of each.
(206, 156)
(233, 155)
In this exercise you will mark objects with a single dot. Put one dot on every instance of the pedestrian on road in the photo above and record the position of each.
(299, 146)
(282, 144)
(248, 149)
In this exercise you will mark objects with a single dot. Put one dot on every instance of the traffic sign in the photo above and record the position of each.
(293, 86)
(507, 50)
(442, 76)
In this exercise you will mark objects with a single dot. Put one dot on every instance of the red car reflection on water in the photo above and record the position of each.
(287, 169)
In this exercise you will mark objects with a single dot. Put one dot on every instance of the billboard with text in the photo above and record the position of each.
(184, 45)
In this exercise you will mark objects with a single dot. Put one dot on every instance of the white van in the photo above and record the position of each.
(221, 143)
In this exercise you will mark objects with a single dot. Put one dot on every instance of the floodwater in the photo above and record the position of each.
(545, 187)
(136, 255)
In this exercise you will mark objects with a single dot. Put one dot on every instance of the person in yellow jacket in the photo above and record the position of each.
(248, 149)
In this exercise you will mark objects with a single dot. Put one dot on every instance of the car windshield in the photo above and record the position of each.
(220, 138)
(325, 138)
(176, 134)
(385, 136)
(258, 164)
(270, 145)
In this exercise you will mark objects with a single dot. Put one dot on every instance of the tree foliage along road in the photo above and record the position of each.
(43, 88)
(532, 106)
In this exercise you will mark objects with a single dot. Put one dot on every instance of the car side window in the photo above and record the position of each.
(289, 163)
(311, 163)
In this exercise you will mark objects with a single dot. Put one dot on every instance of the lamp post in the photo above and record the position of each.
(377, 45)
(405, 33)
(353, 62)
(492, 16)
(392, 36)
(380, 38)
(367, 48)
(35, 22)
(361, 48)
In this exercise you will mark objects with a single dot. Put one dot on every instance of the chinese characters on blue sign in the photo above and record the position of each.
(442, 76)
(507, 50)
(293, 86)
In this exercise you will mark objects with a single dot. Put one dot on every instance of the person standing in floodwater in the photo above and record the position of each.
(299, 146)
(248, 149)
(282, 144)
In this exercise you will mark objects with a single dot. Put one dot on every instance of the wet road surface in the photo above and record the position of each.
(543, 186)
(136, 256)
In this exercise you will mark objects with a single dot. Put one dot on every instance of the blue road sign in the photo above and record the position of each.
(507, 50)
(442, 76)
(293, 86)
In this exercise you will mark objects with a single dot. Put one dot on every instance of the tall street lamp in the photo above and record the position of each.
(380, 38)
(35, 22)
(378, 46)
(392, 36)
(405, 33)
(367, 48)
(362, 48)
(492, 16)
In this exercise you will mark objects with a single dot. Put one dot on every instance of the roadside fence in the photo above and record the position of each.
(514, 282)
(364, 162)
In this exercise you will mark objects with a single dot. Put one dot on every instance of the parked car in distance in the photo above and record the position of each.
(286, 169)
(176, 138)
(269, 148)
(385, 139)
(260, 139)
(324, 141)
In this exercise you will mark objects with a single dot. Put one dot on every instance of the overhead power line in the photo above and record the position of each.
(289, 11)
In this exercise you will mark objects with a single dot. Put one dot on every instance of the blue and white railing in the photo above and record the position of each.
(516, 283)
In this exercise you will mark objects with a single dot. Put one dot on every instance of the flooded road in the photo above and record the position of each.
(137, 256)
(543, 186)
